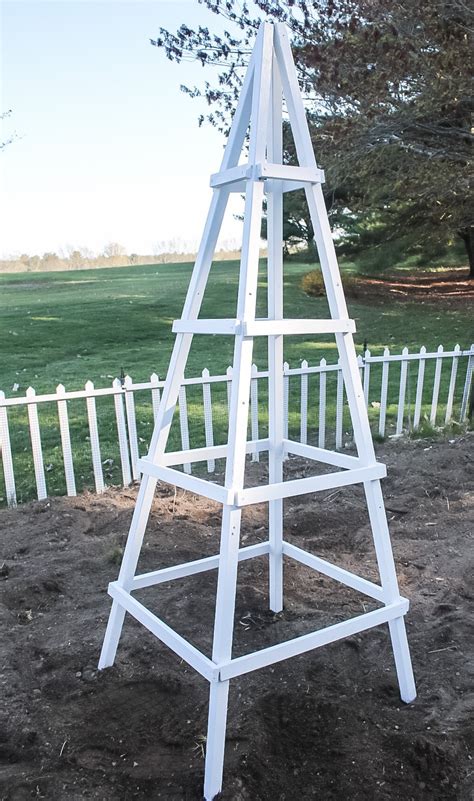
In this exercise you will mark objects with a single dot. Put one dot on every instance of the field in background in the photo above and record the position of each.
(70, 327)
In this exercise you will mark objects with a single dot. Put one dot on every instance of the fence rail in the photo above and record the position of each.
(397, 405)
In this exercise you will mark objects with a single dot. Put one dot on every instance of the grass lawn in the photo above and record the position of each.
(68, 327)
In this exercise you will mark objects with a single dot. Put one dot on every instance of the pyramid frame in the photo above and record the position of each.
(271, 75)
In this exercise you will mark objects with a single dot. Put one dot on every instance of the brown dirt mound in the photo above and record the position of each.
(326, 725)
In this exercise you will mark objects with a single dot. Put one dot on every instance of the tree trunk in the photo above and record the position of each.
(467, 237)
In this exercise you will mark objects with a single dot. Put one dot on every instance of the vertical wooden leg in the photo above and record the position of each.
(215, 744)
(401, 653)
(388, 578)
(275, 523)
(127, 570)
(112, 636)
(222, 648)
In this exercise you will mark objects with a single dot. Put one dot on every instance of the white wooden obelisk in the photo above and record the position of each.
(270, 76)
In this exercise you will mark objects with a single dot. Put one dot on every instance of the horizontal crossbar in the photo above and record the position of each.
(321, 455)
(197, 566)
(333, 571)
(263, 328)
(167, 635)
(211, 452)
(308, 642)
(262, 172)
(302, 486)
(199, 486)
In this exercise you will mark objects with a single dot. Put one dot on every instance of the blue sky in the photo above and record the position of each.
(109, 147)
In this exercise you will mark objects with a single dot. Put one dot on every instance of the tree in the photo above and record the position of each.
(10, 138)
(388, 94)
(113, 249)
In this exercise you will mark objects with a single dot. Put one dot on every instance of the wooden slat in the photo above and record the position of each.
(6, 453)
(94, 437)
(66, 441)
(36, 445)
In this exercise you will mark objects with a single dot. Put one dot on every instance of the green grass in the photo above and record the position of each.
(72, 326)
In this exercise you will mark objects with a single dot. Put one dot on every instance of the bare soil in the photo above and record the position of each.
(326, 725)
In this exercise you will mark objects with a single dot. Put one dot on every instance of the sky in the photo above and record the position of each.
(108, 147)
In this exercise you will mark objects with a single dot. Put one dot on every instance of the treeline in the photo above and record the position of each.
(51, 262)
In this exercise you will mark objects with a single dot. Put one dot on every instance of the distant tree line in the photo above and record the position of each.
(389, 101)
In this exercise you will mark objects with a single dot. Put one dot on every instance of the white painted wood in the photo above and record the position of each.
(183, 424)
(231, 176)
(208, 428)
(302, 486)
(402, 392)
(334, 572)
(275, 327)
(131, 426)
(312, 175)
(171, 638)
(155, 394)
(254, 410)
(384, 393)
(322, 455)
(286, 399)
(238, 417)
(197, 566)
(186, 481)
(467, 386)
(419, 388)
(122, 434)
(366, 377)
(228, 386)
(452, 385)
(277, 392)
(304, 404)
(66, 441)
(6, 453)
(94, 438)
(322, 405)
(206, 326)
(436, 384)
(203, 454)
(261, 105)
(37, 452)
(339, 409)
(308, 642)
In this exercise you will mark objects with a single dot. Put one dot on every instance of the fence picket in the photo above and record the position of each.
(452, 386)
(183, 424)
(384, 393)
(339, 408)
(122, 434)
(286, 398)
(304, 404)
(322, 405)
(131, 425)
(402, 392)
(366, 376)
(207, 405)
(36, 446)
(155, 394)
(228, 387)
(66, 440)
(254, 409)
(467, 386)
(94, 437)
(6, 453)
(419, 388)
(126, 416)
(436, 383)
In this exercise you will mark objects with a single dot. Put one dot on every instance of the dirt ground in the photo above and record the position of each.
(326, 725)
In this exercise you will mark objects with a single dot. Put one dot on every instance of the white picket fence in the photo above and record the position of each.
(123, 394)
